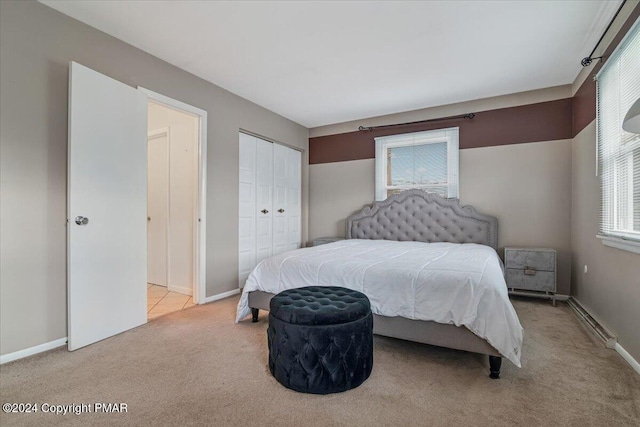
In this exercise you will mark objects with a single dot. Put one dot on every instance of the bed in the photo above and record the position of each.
(428, 265)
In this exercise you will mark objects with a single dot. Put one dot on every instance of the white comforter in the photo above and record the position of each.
(460, 284)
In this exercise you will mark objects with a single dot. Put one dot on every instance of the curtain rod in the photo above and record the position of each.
(589, 59)
(461, 116)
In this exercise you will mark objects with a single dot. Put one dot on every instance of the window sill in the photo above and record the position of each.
(619, 243)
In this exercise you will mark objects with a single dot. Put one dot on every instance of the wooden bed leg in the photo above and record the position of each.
(494, 364)
(254, 318)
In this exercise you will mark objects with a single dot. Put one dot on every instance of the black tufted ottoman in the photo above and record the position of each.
(320, 339)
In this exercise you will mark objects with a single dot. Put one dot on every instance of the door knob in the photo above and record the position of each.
(81, 220)
(264, 211)
(281, 210)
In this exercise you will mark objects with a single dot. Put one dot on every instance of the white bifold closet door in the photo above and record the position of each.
(269, 202)
(264, 199)
(293, 205)
(247, 213)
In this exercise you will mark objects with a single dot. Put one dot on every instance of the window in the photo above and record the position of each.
(425, 160)
(618, 87)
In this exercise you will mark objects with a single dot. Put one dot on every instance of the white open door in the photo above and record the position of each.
(107, 207)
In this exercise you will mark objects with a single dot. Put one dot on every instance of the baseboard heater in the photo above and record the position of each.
(608, 339)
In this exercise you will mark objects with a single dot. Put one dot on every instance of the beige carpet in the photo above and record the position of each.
(196, 367)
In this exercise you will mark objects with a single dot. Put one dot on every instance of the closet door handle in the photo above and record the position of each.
(281, 210)
(264, 211)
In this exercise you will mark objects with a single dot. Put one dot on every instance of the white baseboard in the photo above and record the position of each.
(629, 358)
(5, 358)
(221, 296)
(185, 290)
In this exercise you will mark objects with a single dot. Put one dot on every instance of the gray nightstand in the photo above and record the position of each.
(324, 240)
(531, 269)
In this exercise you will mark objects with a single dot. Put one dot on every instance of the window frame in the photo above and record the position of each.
(449, 135)
(620, 239)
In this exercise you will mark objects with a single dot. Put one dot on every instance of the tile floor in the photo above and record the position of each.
(160, 301)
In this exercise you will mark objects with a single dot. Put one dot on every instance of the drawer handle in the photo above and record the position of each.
(529, 271)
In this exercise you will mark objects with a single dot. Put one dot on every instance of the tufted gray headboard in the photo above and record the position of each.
(425, 217)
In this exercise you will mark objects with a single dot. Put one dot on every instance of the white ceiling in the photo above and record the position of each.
(320, 63)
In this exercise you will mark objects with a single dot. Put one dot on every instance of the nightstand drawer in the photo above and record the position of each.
(538, 260)
(537, 280)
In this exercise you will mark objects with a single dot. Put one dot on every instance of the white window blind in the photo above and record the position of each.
(618, 87)
(426, 160)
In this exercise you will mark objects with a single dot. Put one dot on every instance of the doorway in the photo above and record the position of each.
(172, 208)
(107, 205)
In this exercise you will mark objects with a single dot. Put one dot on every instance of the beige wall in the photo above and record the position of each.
(526, 186)
(36, 44)
(337, 190)
(610, 290)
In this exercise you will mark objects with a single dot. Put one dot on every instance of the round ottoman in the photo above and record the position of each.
(320, 339)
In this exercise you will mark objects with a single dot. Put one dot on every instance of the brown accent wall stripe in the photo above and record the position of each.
(544, 121)
(584, 101)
